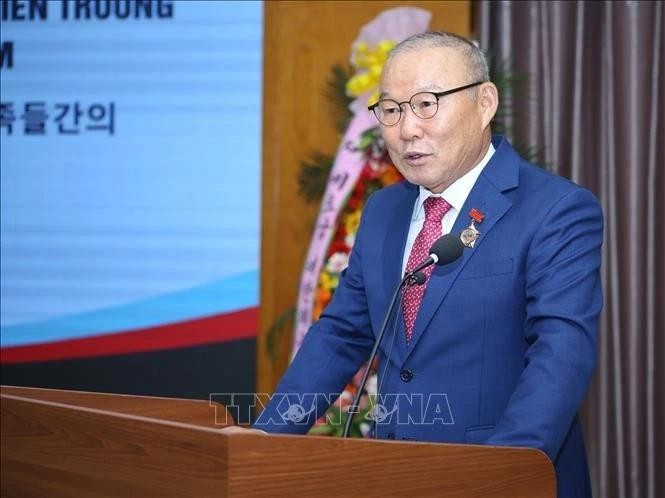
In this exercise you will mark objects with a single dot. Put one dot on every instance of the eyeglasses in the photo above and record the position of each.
(424, 105)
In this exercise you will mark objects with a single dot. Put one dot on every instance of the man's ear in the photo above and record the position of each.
(488, 102)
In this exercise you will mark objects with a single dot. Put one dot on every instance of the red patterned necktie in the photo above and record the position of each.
(435, 209)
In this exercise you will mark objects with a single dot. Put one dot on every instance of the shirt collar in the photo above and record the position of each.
(456, 193)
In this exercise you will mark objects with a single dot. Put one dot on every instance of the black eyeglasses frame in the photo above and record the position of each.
(438, 95)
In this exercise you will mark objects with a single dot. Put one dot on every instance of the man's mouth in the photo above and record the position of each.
(415, 158)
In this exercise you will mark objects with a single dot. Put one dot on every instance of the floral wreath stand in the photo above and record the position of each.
(361, 167)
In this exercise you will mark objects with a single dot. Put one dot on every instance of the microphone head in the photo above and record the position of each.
(447, 249)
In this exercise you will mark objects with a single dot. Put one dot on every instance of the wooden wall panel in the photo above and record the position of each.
(302, 41)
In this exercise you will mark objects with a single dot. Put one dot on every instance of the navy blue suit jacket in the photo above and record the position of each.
(504, 345)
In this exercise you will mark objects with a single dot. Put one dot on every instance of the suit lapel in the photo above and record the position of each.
(393, 245)
(499, 175)
(393, 255)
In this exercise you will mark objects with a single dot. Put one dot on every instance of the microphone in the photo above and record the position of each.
(445, 250)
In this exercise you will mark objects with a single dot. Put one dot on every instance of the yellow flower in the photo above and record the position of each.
(360, 83)
(374, 97)
(327, 281)
(368, 63)
(352, 221)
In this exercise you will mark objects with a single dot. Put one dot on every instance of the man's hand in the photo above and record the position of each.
(234, 429)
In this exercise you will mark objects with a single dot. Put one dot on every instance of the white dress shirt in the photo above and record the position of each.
(455, 195)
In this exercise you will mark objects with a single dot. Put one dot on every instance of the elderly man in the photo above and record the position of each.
(504, 338)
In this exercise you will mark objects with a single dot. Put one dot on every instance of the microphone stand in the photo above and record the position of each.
(411, 278)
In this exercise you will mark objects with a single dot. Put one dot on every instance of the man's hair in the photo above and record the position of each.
(475, 59)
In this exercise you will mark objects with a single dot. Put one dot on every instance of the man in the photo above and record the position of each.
(504, 338)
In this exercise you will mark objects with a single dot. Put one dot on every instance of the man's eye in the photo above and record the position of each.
(426, 104)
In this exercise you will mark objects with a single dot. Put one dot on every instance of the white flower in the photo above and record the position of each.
(350, 239)
(337, 262)
(371, 385)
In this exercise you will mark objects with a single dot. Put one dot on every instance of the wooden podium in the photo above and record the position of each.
(75, 444)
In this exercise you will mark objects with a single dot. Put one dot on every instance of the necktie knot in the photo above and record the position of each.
(435, 208)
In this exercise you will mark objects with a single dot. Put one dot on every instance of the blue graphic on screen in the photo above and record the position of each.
(130, 165)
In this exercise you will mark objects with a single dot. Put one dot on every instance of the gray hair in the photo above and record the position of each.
(476, 62)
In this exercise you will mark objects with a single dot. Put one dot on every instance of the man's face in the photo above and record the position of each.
(437, 151)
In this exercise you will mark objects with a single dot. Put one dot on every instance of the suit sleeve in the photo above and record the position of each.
(331, 353)
(564, 299)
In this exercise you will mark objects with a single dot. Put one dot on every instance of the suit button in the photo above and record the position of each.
(406, 375)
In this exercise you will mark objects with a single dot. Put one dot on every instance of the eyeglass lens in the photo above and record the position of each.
(424, 105)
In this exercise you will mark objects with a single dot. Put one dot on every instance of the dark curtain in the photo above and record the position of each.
(594, 105)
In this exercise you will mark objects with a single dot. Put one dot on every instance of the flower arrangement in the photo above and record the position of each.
(378, 172)
(363, 162)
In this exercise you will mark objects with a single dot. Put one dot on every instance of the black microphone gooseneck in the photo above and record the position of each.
(445, 250)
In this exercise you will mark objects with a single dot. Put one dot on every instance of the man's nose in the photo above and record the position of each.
(410, 124)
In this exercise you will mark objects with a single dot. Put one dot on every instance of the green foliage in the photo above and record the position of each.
(313, 176)
(336, 421)
(336, 95)
(514, 100)
(275, 331)
(510, 85)
(314, 173)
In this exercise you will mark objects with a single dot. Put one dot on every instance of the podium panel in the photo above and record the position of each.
(72, 444)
